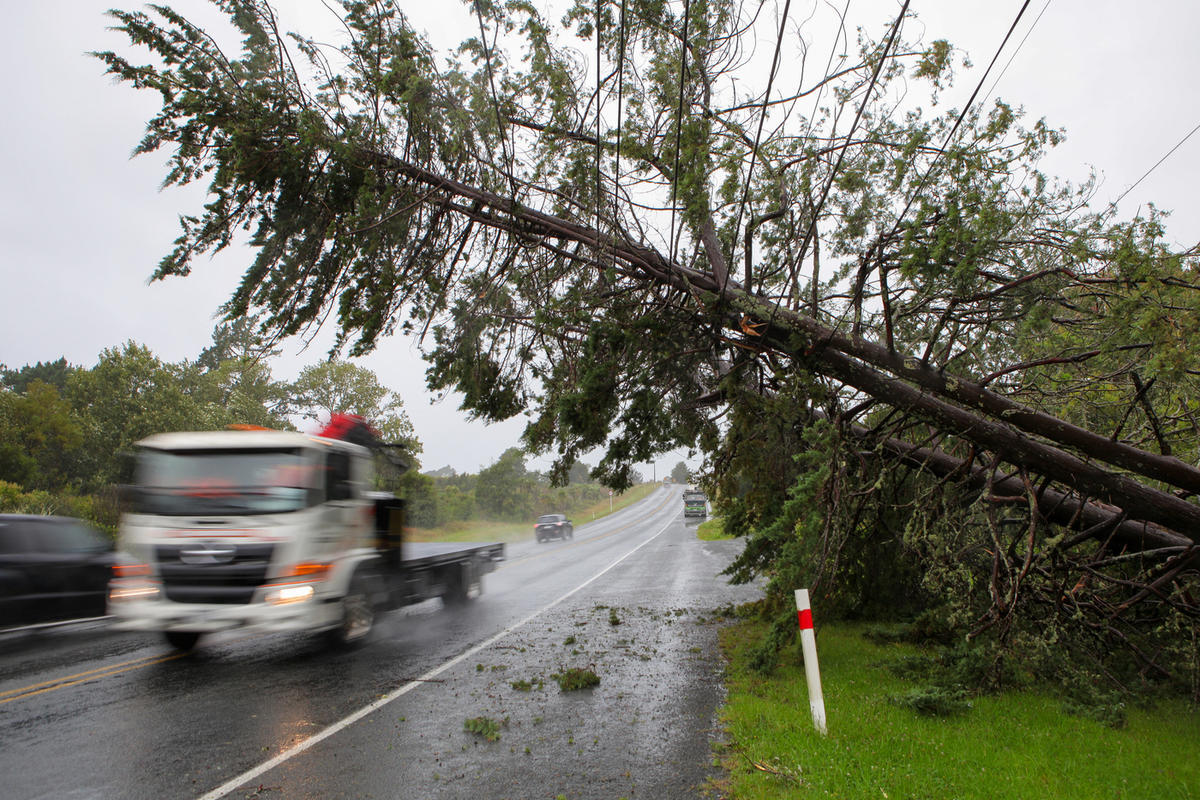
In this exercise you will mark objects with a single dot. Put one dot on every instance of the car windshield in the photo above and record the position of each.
(66, 536)
(252, 481)
(550, 518)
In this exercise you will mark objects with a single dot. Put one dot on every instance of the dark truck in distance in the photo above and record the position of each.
(274, 531)
(695, 503)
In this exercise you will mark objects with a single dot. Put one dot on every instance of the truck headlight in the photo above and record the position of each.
(293, 593)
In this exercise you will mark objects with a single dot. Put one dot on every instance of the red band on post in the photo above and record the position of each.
(805, 617)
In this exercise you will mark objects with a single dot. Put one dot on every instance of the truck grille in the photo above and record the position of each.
(207, 573)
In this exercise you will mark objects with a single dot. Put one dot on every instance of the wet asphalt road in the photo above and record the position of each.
(86, 712)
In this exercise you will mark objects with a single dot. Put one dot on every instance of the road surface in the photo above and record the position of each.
(87, 712)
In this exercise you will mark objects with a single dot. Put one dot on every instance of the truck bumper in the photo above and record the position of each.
(310, 615)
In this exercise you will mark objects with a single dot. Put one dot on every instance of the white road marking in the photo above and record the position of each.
(228, 787)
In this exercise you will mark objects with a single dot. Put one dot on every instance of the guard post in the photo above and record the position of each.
(808, 646)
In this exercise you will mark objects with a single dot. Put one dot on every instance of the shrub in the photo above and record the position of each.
(934, 701)
(575, 678)
(486, 727)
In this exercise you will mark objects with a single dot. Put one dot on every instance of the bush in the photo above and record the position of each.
(934, 701)
(101, 509)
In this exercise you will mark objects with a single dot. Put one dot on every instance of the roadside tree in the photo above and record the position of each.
(40, 435)
(504, 487)
(338, 386)
(234, 373)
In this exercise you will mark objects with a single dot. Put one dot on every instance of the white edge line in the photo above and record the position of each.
(226, 788)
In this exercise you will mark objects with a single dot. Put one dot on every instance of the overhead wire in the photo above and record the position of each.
(812, 228)
(683, 54)
(599, 135)
(1157, 164)
(1017, 49)
(762, 116)
(941, 151)
(500, 127)
(620, 101)
(958, 121)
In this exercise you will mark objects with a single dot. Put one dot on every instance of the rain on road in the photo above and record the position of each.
(86, 712)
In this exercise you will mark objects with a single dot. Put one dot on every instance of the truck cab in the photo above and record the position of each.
(266, 530)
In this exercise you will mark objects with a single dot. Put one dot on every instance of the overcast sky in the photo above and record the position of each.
(82, 226)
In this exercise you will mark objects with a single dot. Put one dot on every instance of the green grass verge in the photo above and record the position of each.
(1017, 746)
(499, 531)
(712, 529)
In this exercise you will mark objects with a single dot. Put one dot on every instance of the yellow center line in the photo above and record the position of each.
(83, 677)
(76, 675)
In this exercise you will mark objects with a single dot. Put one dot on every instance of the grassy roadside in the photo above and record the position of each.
(1014, 746)
(499, 531)
(711, 530)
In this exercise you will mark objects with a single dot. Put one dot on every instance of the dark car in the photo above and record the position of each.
(51, 569)
(553, 526)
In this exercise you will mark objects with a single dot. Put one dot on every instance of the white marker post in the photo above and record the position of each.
(808, 646)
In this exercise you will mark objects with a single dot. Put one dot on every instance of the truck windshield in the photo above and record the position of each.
(224, 482)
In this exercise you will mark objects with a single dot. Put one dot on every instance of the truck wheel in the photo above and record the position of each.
(182, 640)
(358, 614)
(461, 580)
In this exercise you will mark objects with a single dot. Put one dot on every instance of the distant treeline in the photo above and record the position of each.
(67, 431)
(506, 490)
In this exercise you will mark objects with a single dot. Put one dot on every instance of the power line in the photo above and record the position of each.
(1017, 50)
(599, 136)
(1157, 164)
(683, 54)
(957, 122)
(620, 99)
(500, 128)
(812, 228)
(762, 117)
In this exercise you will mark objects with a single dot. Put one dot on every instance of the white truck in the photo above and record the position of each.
(273, 531)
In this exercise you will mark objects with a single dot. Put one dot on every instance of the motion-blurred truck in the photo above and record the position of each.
(267, 530)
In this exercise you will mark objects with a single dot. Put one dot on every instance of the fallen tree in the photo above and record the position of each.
(632, 273)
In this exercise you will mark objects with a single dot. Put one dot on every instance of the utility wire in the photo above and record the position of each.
(683, 54)
(620, 99)
(599, 140)
(500, 127)
(812, 227)
(762, 117)
(1157, 164)
(1017, 50)
(958, 121)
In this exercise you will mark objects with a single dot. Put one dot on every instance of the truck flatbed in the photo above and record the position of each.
(430, 554)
